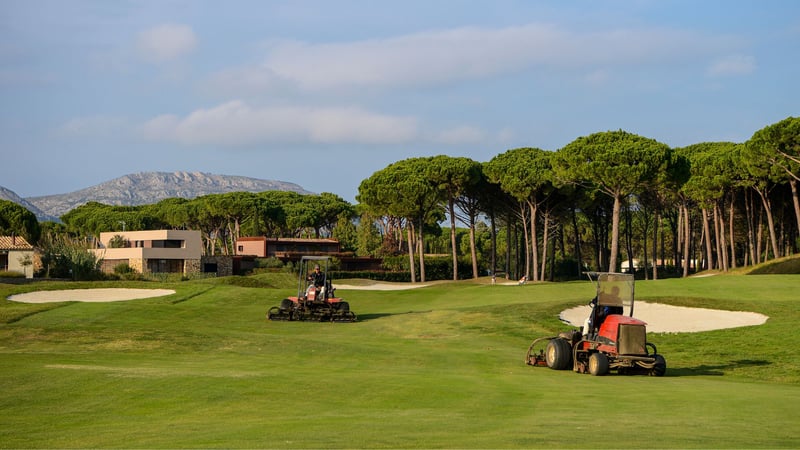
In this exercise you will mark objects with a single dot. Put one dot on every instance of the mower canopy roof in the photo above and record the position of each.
(614, 290)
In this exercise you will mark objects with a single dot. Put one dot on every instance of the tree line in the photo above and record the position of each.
(602, 201)
(711, 205)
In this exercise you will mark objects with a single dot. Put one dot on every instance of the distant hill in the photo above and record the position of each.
(8, 194)
(151, 187)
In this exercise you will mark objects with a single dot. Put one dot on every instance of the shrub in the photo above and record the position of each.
(124, 268)
(269, 263)
(10, 274)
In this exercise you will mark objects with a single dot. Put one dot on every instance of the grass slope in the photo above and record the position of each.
(436, 367)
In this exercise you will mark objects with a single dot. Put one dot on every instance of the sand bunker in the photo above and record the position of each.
(89, 295)
(380, 286)
(662, 318)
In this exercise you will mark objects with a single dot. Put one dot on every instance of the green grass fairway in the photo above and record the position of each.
(436, 367)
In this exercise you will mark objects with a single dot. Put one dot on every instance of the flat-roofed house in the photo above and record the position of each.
(153, 251)
(286, 248)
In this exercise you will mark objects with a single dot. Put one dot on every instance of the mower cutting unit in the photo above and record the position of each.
(613, 339)
(316, 300)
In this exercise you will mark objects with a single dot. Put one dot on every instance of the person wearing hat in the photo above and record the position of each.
(317, 279)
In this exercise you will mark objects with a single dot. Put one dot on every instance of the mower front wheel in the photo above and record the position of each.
(598, 364)
(558, 354)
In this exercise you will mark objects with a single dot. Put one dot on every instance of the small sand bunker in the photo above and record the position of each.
(380, 286)
(662, 318)
(89, 295)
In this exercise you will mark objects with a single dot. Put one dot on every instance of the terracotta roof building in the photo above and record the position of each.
(16, 255)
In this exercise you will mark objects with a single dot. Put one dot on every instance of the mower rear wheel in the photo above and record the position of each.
(558, 354)
(598, 364)
(286, 304)
(659, 367)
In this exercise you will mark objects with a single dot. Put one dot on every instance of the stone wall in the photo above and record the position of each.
(224, 264)
(191, 266)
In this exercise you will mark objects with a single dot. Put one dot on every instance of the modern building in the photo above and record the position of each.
(16, 255)
(154, 251)
(292, 249)
(285, 248)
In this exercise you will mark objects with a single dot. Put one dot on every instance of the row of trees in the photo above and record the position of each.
(221, 218)
(709, 205)
(602, 199)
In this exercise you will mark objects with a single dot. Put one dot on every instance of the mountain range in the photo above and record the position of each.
(145, 188)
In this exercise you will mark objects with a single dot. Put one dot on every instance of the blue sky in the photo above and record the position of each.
(325, 93)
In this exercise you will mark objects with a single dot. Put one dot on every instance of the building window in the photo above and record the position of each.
(165, 265)
(168, 243)
(241, 248)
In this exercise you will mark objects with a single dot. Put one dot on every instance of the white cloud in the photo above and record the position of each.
(442, 56)
(732, 65)
(460, 135)
(93, 127)
(165, 42)
(237, 123)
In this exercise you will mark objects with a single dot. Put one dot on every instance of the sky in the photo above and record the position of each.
(325, 93)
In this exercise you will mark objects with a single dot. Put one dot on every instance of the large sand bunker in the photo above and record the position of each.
(662, 318)
(89, 295)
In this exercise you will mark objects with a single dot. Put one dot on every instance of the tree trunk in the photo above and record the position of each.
(509, 243)
(686, 256)
(411, 254)
(545, 236)
(679, 248)
(770, 222)
(598, 248)
(656, 222)
(534, 242)
(421, 250)
(494, 242)
(796, 202)
(612, 260)
(722, 246)
(629, 238)
(472, 250)
(760, 237)
(453, 237)
(707, 236)
(731, 217)
(524, 218)
(751, 247)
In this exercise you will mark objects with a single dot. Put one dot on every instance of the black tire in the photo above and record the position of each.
(558, 354)
(659, 367)
(275, 314)
(286, 304)
(343, 307)
(598, 364)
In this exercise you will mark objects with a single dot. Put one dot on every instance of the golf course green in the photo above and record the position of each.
(435, 367)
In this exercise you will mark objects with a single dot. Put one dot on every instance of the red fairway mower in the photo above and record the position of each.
(315, 298)
(613, 340)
